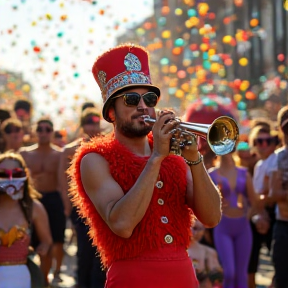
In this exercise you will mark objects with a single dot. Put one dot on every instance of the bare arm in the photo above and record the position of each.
(205, 201)
(275, 183)
(256, 200)
(41, 224)
(123, 212)
(63, 182)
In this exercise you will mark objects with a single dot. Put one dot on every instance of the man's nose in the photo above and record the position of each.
(141, 105)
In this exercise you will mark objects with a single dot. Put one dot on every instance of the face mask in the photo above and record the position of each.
(13, 188)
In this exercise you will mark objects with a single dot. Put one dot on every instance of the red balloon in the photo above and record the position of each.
(281, 57)
(36, 49)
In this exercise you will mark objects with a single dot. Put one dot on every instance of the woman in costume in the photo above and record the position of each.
(233, 236)
(19, 209)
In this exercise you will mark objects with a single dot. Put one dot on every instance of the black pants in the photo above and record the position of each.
(259, 239)
(89, 271)
(280, 253)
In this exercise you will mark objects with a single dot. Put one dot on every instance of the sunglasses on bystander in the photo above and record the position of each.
(44, 129)
(260, 141)
(9, 129)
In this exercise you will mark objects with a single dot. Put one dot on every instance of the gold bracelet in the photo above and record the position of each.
(190, 163)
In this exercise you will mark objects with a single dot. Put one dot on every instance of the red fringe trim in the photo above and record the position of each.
(125, 168)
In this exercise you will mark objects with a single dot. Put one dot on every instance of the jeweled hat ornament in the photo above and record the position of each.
(121, 68)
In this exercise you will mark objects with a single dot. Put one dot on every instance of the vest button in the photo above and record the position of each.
(164, 219)
(160, 201)
(159, 184)
(168, 239)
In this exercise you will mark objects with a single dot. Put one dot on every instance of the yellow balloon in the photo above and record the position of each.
(173, 69)
(246, 83)
(179, 93)
(166, 34)
(202, 31)
(243, 61)
(26, 88)
(237, 97)
(178, 11)
(204, 47)
(227, 39)
(211, 52)
(214, 67)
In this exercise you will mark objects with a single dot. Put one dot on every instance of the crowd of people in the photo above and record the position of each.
(142, 216)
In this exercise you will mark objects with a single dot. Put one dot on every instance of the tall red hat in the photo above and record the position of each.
(121, 68)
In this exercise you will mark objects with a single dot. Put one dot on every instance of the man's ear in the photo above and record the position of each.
(111, 113)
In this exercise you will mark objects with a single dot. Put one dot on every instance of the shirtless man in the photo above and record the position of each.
(278, 176)
(43, 160)
(89, 271)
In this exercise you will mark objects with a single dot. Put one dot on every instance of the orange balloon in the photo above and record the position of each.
(254, 22)
(250, 95)
(177, 50)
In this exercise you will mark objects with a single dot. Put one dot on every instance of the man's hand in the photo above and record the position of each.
(164, 124)
(190, 151)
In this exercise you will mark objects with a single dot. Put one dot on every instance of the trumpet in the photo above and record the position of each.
(221, 135)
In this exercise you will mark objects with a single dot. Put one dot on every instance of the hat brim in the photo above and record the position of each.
(112, 96)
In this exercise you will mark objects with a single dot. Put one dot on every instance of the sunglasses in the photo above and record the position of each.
(44, 129)
(91, 120)
(15, 173)
(12, 129)
(260, 141)
(132, 98)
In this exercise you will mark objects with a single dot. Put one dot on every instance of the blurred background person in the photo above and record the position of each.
(4, 114)
(43, 160)
(89, 272)
(19, 210)
(263, 142)
(60, 138)
(12, 133)
(23, 110)
(277, 164)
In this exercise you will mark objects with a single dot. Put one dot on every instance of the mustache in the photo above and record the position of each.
(139, 115)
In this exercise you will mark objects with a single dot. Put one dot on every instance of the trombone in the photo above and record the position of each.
(221, 135)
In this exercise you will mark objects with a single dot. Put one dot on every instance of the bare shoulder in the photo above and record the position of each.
(93, 160)
(56, 149)
(38, 208)
(71, 147)
(27, 149)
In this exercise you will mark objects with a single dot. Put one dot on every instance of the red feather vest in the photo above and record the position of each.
(167, 201)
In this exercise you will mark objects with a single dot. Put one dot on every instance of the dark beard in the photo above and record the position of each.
(128, 130)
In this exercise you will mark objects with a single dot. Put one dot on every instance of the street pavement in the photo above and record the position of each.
(68, 269)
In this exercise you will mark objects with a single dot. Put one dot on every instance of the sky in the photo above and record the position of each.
(67, 35)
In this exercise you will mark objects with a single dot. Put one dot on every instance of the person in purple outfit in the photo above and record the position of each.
(233, 236)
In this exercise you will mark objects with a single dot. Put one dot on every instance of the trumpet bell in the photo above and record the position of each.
(222, 135)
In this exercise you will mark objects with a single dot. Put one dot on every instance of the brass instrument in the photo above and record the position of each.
(221, 134)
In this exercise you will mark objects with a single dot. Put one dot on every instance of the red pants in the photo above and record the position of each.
(156, 270)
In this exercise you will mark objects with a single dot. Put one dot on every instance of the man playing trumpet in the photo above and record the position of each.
(138, 198)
